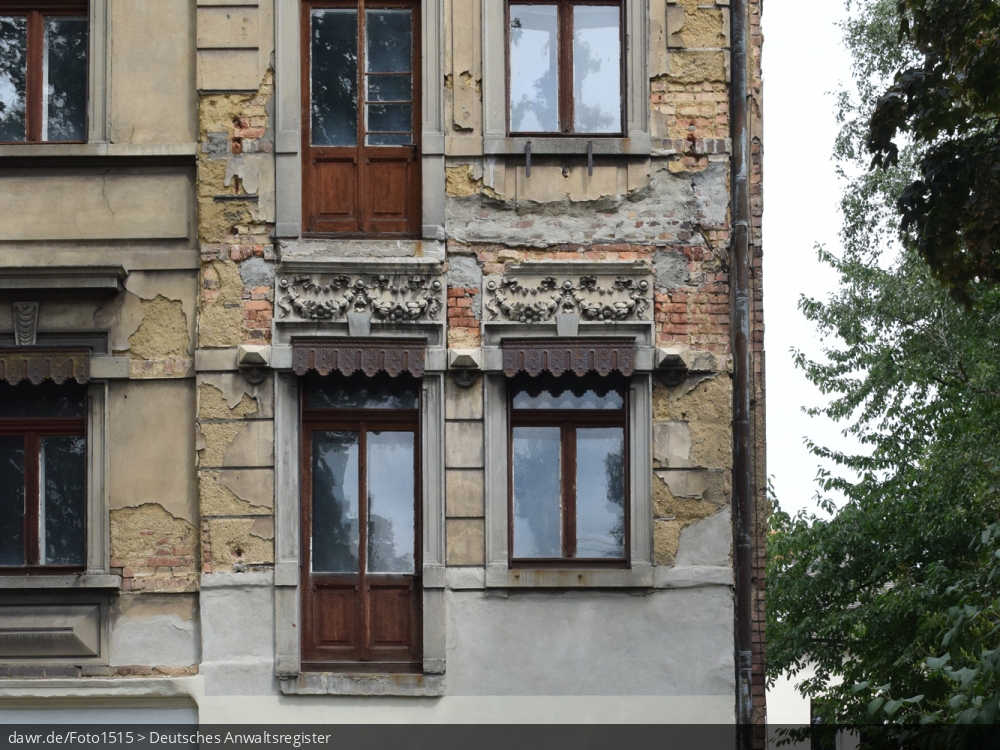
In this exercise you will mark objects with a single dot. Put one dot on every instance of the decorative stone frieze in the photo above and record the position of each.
(527, 296)
(578, 356)
(36, 365)
(369, 356)
(395, 298)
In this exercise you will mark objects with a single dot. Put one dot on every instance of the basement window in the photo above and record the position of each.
(565, 68)
(43, 477)
(43, 71)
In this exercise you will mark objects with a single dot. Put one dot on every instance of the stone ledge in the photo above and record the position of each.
(167, 689)
(32, 583)
(693, 576)
(399, 685)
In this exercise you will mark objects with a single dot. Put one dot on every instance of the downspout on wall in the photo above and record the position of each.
(742, 459)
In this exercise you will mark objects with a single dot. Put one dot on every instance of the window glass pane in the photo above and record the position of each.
(597, 97)
(390, 41)
(47, 399)
(569, 392)
(13, 77)
(335, 502)
(389, 117)
(64, 70)
(390, 502)
(534, 69)
(390, 88)
(63, 508)
(362, 392)
(334, 77)
(11, 501)
(600, 492)
(537, 496)
(390, 139)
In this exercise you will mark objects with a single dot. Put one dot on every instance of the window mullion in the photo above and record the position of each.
(32, 498)
(35, 86)
(569, 490)
(566, 67)
(364, 613)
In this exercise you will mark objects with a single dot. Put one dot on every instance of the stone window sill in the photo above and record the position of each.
(399, 685)
(124, 150)
(76, 582)
(640, 144)
(639, 576)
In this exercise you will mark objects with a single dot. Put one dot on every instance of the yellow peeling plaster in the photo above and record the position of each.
(154, 550)
(220, 322)
(163, 333)
(212, 404)
(219, 500)
(706, 406)
(460, 182)
(241, 541)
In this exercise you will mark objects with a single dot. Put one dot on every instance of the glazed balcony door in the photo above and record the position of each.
(361, 117)
(361, 561)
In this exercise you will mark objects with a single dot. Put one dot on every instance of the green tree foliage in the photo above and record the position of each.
(869, 595)
(947, 103)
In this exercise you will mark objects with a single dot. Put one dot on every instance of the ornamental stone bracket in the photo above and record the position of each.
(391, 293)
(598, 292)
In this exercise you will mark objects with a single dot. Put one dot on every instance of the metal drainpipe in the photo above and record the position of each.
(742, 466)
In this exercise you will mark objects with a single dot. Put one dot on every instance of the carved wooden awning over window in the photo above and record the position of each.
(579, 356)
(365, 355)
(36, 365)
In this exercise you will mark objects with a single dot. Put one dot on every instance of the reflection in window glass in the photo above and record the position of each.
(64, 71)
(362, 392)
(335, 502)
(45, 400)
(334, 79)
(390, 502)
(600, 492)
(534, 69)
(597, 101)
(12, 500)
(389, 48)
(13, 77)
(548, 392)
(63, 503)
(537, 492)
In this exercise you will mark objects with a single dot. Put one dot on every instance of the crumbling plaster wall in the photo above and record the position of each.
(669, 211)
(236, 189)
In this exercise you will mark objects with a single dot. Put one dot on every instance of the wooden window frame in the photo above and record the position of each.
(568, 421)
(362, 421)
(567, 102)
(35, 13)
(363, 194)
(33, 430)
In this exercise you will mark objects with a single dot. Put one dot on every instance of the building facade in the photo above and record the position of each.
(377, 360)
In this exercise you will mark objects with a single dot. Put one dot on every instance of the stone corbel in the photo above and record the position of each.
(25, 323)
(466, 365)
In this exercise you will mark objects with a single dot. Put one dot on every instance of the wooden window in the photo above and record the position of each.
(565, 69)
(568, 470)
(43, 71)
(361, 524)
(361, 117)
(43, 477)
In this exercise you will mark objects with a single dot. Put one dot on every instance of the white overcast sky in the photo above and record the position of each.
(804, 63)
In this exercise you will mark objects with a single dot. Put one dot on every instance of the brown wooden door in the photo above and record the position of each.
(361, 562)
(361, 117)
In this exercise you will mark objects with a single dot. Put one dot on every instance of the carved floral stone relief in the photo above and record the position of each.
(406, 298)
(537, 300)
